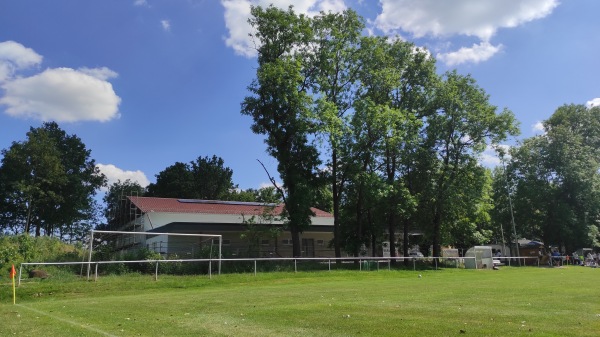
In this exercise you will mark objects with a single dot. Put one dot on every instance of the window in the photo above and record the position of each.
(320, 242)
(286, 242)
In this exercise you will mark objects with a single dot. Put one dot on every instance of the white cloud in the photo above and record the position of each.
(459, 17)
(477, 18)
(166, 25)
(114, 174)
(63, 95)
(475, 54)
(270, 184)
(14, 56)
(99, 73)
(237, 13)
(594, 102)
(538, 127)
(490, 157)
(141, 3)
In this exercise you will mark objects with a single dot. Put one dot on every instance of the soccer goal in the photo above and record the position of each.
(134, 250)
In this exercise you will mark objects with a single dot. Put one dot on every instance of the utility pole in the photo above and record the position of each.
(512, 214)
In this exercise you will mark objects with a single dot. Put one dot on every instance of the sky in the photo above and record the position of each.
(147, 83)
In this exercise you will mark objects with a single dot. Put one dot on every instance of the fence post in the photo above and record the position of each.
(436, 261)
(156, 271)
(96, 273)
(329, 264)
(210, 269)
(295, 266)
(414, 264)
(254, 267)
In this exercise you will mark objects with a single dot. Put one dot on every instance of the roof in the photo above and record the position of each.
(172, 205)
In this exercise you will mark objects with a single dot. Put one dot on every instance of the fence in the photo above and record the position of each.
(252, 264)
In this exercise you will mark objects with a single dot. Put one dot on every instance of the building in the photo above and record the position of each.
(248, 229)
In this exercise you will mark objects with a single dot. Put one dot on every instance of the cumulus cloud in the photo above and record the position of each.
(594, 102)
(538, 127)
(476, 18)
(114, 174)
(464, 17)
(13, 57)
(63, 95)
(59, 94)
(491, 156)
(237, 13)
(475, 54)
(141, 3)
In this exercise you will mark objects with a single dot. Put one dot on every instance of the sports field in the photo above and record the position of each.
(453, 302)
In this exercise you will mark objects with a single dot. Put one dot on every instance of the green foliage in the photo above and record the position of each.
(16, 249)
(260, 227)
(555, 178)
(49, 171)
(205, 178)
(281, 108)
(115, 207)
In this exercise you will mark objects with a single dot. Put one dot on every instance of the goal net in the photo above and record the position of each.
(178, 253)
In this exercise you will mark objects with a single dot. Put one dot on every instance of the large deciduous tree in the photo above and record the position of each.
(463, 125)
(335, 76)
(47, 183)
(281, 108)
(204, 178)
(557, 179)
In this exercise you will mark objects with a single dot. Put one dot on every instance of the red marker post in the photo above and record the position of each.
(12, 276)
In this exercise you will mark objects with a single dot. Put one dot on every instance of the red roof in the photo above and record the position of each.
(170, 205)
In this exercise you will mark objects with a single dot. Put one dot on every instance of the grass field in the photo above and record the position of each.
(451, 302)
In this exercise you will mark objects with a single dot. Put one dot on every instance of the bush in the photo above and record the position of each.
(17, 249)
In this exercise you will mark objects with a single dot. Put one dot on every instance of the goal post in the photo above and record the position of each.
(127, 241)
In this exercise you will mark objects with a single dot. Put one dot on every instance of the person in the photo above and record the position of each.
(576, 260)
(556, 258)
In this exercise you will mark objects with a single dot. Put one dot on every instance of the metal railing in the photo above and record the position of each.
(364, 263)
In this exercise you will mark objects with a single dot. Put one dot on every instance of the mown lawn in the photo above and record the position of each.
(451, 302)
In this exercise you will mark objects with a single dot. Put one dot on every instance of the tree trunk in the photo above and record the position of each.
(405, 242)
(392, 235)
(336, 206)
(437, 232)
(296, 247)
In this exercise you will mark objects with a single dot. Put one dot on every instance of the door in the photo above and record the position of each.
(308, 247)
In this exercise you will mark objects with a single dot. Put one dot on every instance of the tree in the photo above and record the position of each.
(48, 183)
(204, 178)
(335, 74)
(557, 194)
(464, 123)
(397, 80)
(116, 211)
(281, 109)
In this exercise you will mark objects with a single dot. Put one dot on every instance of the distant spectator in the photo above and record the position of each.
(576, 260)
(556, 258)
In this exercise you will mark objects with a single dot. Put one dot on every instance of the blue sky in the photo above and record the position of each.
(147, 83)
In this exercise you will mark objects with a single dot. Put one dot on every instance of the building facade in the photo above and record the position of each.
(248, 229)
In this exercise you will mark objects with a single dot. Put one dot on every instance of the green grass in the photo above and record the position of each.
(451, 302)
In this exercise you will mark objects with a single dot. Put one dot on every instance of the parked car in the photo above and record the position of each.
(415, 254)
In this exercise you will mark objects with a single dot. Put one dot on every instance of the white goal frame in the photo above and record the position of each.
(91, 241)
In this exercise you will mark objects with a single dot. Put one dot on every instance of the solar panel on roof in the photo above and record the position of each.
(236, 203)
